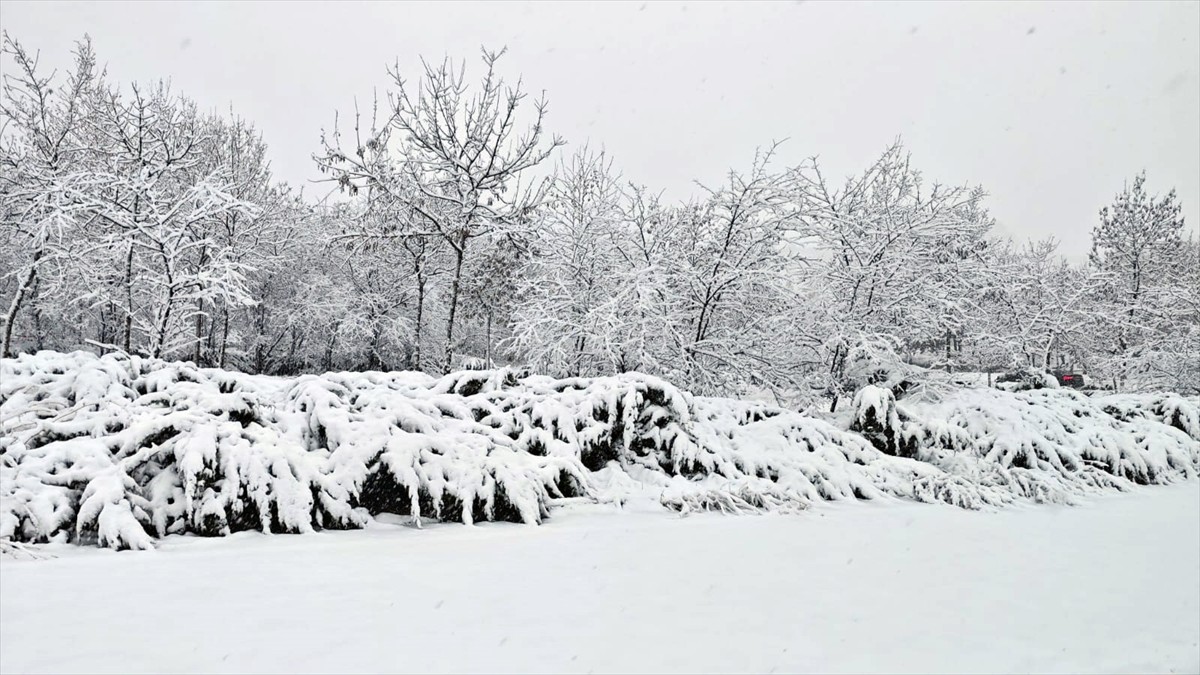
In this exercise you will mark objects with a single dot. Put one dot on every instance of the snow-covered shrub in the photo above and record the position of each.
(877, 418)
(1050, 444)
(415, 451)
(119, 451)
(146, 446)
(1025, 378)
(1170, 409)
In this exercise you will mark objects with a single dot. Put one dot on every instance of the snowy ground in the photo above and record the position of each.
(1110, 586)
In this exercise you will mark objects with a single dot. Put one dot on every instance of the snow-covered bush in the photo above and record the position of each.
(1170, 409)
(877, 418)
(1051, 444)
(118, 451)
(1025, 378)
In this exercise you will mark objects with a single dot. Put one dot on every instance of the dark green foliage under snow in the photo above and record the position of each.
(118, 451)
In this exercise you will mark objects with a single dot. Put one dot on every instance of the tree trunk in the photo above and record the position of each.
(224, 336)
(328, 365)
(260, 326)
(459, 254)
(577, 365)
(160, 338)
(373, 360)
(835, 366)
(420, 319)
(128, 298)
(10, 319)
(35, 308)
(199, 349)
(164, 323)
(487, 353)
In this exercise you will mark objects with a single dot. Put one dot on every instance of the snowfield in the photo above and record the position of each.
(1109, 586)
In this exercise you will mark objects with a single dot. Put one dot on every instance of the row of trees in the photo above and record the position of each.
(133, 222)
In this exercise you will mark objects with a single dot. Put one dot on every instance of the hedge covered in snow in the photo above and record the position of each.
(119, 451)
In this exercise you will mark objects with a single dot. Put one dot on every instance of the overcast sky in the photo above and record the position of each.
(1050, 106)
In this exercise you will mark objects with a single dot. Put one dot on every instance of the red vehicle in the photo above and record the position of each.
(1067, 378)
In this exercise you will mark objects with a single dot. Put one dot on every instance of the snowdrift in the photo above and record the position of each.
(119, 451)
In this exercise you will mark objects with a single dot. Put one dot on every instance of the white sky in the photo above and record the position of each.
(1050, 106)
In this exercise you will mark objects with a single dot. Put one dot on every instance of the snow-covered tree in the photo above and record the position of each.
(735, 282)
(44, 175)
(645, 330)
(163, 210)
(564, 314)
(1139, 246)
(893, 257)
(273, 332)
(133, 223)
(1033, 305)
(1135, 241)
(250, 239)
(454, 154)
